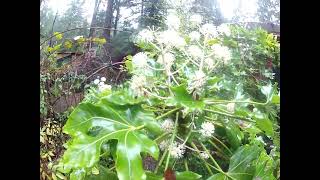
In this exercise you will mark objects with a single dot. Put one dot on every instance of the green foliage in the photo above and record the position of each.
(186, 98)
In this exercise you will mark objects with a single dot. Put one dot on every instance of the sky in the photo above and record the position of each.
(227, 7)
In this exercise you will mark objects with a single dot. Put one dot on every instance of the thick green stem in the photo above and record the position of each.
(172, 139)
(161, 136)
(186, 165)
(214, 161)
(167, 113)
(230, 115)
(161, 160)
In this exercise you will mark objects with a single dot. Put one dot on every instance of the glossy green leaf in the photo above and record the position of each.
(241, 165)
(152, 176)
(91, 125)
(187, 175)
(234, 134)
(123, 97)
(275, 99)
(264, 167)
(218, 176)
(78, 174)
(265, 125)
(104, 173)
(182, 98)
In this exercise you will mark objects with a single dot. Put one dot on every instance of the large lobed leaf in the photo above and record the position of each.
(182, 98)
(92, 125)
(242, 166)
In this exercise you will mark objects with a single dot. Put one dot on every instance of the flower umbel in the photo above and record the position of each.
(204, 155)
(207, 129)
(140, 60)
(137, 84)
(222, 53)
(197, 81)
(177, 150)
(168, 125)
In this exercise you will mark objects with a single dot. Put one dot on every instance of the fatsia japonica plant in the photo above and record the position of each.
(178, 116)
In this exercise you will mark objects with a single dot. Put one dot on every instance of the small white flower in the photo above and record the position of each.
(171, 38)
(140, 60)
(173, 21)
(221, 52)
(137, 84)
(164, 145)
(77, 37)
(103, 79)
(230, 107)
(101, 83)
(194, 36)
(177, 150)
(145, 35)
(197, 81)
(104, 87)
(196, 19)
(195, 51)
(96, 81)
(168, 125)
(167, 60)
(209, 63)
(207, 129)
(224, 29)
(204, 155)
(209, 30)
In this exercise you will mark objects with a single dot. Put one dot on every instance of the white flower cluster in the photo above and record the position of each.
(146, 35)
(196, 19)
(209, 30)
(207, 129)
(195, 51)
(231, 107)
(167, 60)
(194, 36)
(209, 63)
(173, 21)
(138, 84)
(167, 125)
(197, 81)
(177, 150)
(164, 144)
(140, 60)
(171, 38)
(204, 155)
(222, 52)
(101, 84)
(224, 29)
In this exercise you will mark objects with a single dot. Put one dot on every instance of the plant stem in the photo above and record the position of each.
(214, 161)
(161, 136)
(224, 173)
(220, 142)
(172, 139)
(167, 113)
(230, 115)
(161, 160)
(209, 101)
(186, 165)
(205, 162)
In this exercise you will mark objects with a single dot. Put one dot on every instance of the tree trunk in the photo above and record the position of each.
(117, 17)
(94, 18)
(108, 25)
(54, 21)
